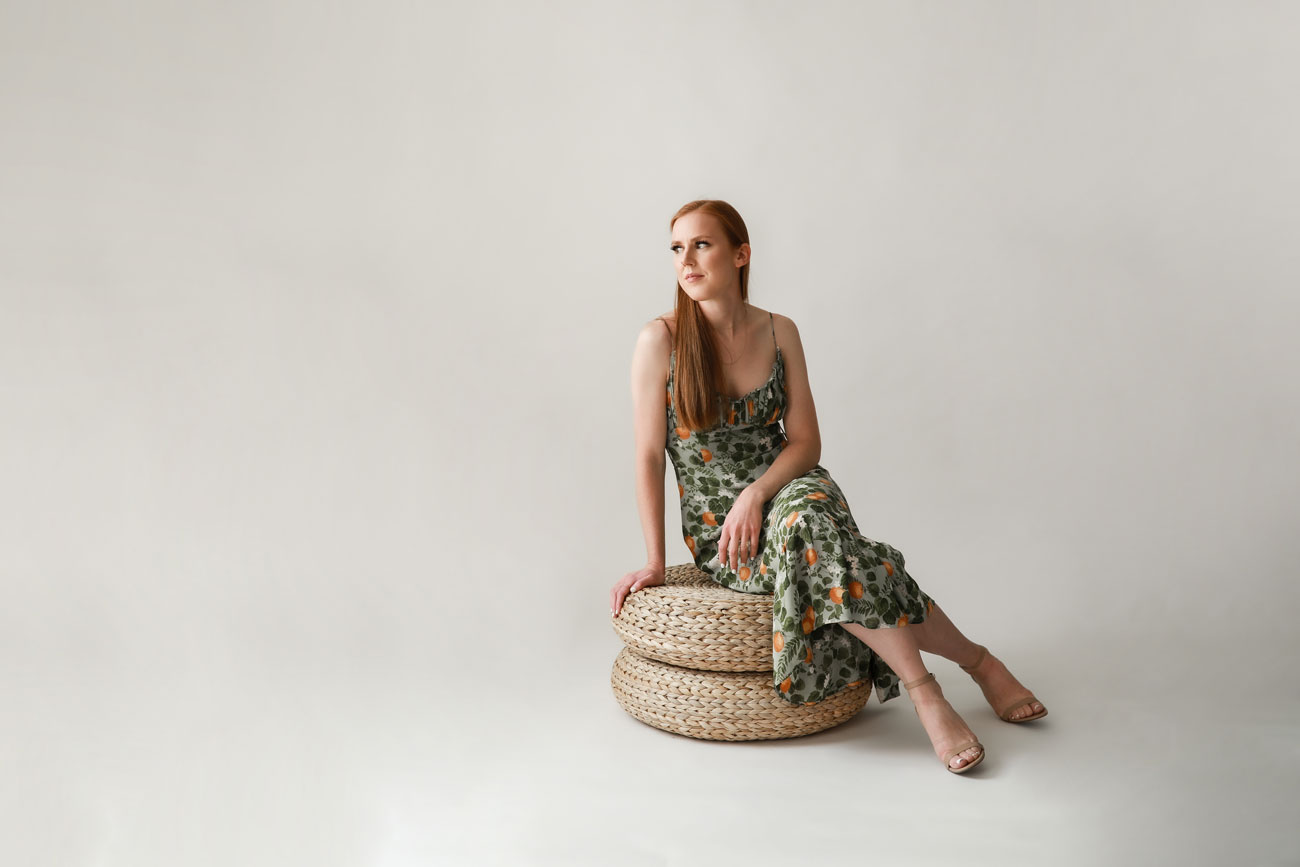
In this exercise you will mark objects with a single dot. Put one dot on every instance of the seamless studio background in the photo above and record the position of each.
(316, 445)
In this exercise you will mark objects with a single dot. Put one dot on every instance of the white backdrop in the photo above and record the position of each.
(316, 443)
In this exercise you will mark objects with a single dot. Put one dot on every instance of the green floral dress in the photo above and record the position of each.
(820, 570)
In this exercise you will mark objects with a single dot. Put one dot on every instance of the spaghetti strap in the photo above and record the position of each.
(771, 322)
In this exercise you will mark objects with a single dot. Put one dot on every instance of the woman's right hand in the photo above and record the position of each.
(647, 576)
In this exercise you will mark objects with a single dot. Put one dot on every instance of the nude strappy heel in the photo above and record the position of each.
(947, 757)
(1016, 704)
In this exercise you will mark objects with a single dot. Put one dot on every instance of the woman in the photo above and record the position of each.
(761, 515)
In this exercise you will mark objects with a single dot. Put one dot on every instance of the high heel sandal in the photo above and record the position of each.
(947, 757)
(1016, 704)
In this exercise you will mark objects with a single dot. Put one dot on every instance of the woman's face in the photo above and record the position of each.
(707, 265)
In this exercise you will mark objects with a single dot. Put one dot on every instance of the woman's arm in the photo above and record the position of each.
(649, 390)
(804, 439)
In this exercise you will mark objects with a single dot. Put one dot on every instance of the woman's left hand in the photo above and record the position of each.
(738, 541)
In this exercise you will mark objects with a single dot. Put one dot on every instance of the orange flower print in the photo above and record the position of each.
(690, 543)
(706, 455)
(794, 516)
(709, 519)
(809, 620)
(731, 416)
(810, 555)
(836, 595)
(744, 573)
(762, 568)
(749, 406)
(807, 657)
(683, 432)
(855, 589)
(785, 685)
(775, 413)
(681, 492)
(817, 495)
(889, 568)
(902, 621)
(929, 605)
(778, 641)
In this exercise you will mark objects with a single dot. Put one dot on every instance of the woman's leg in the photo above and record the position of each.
(939, 635)
(897, 646)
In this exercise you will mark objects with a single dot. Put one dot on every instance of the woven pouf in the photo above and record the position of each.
(697, 661)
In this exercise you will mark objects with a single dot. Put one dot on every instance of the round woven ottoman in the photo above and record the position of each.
(697, 661)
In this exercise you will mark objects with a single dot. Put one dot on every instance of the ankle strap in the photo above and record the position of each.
(929, 676)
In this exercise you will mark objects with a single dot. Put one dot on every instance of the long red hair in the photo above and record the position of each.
(697, 376)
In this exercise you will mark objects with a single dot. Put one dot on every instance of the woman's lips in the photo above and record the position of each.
(694, 276)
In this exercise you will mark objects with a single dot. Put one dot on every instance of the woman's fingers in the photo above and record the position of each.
(737, 549)
(619, 593)
(736, 546)
(745, 550)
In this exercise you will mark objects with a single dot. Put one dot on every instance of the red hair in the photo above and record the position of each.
(697, 376)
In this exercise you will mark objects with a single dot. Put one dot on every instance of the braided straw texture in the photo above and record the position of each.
(722, 706)
(694, 622)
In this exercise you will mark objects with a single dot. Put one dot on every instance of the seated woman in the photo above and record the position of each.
(761, 515)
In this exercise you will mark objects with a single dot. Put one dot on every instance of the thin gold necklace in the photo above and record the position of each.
(740, 354)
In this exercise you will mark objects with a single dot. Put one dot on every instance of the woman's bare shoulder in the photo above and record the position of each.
(657, 325)
(654, 346)
(658, 334)
(786, 331)
(655, 342)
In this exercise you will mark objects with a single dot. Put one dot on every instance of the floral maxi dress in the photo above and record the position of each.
(820, 570)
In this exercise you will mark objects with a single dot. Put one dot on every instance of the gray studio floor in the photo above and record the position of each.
(288, 762)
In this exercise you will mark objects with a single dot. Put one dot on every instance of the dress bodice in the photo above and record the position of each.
(714, 465)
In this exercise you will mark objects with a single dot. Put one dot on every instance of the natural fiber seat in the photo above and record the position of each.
(693, 621)
(698, 662)
(722, 705)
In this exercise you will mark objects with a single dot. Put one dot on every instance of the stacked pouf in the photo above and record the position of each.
(697, 661)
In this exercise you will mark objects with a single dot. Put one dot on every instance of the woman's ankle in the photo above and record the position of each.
(973, 657)
(927, 692)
